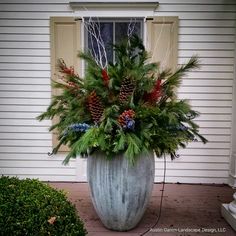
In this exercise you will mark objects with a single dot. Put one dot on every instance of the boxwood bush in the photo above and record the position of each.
(30, 207)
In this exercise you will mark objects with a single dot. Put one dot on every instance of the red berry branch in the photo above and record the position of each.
(155, 94)
(105, 77)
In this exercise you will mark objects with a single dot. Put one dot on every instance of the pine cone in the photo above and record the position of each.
(125, 116)
(95, 107)
(127, 88)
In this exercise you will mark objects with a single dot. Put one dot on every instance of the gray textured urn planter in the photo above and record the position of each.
(120, 191)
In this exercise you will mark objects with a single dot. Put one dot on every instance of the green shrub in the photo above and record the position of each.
(29, 207)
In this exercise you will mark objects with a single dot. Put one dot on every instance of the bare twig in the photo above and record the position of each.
(94, 29)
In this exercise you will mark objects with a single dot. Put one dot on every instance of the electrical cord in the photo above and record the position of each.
(160, 209)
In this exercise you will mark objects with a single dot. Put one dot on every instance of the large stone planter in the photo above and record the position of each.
(120, 191)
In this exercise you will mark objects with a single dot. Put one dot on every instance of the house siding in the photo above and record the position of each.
(206, 28)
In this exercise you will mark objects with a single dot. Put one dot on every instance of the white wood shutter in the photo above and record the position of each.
(162, 40)
(65, 43)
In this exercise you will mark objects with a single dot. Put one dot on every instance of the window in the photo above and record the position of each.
(110, 31)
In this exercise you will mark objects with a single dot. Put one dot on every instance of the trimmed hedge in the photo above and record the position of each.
(29, 207)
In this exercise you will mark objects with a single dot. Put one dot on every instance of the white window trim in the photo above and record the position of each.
(101, 4)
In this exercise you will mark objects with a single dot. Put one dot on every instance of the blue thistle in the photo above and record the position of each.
(182, 127)
(77, 127)
(179, 127)
(129, 123)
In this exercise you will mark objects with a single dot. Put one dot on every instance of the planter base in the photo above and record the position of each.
(120, 191)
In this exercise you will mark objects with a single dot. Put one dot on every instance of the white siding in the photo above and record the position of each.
(207, 28)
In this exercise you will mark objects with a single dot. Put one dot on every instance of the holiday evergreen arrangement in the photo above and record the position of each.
(130, 106)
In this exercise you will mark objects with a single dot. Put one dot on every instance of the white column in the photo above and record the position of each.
(232, 170)
(228, 211)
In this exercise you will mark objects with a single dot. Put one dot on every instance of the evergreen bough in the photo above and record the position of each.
(105, 99)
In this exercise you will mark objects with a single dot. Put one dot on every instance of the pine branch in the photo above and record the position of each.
(81, 146)
(174, 80)
(133, 149)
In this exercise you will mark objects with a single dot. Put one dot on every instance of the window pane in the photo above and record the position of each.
(106, 33)
(121, 30)
(111, 31)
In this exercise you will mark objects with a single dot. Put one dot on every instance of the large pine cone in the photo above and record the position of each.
(95, 107)
(127, 88)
